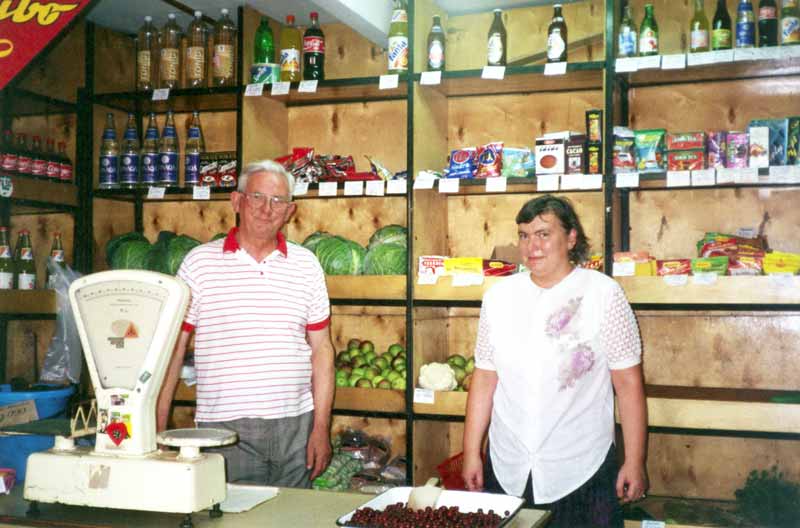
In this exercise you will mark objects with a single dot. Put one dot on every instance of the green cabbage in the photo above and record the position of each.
(390, 234)
(131, 255)
(385, 259)
(339, 256)
(113, 245)
(177, 250)
(310, 243)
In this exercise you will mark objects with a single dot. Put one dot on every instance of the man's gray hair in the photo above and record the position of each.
(265, 166)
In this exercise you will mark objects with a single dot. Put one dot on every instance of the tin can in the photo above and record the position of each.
(266, 72)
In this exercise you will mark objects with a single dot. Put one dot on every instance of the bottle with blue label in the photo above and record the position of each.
(109, 155)
(745, 25)
(195, 146)
(168, 152)
(628, 35)
(148, 174)
(129, 159)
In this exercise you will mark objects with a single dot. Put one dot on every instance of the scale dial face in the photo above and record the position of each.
(120, 319)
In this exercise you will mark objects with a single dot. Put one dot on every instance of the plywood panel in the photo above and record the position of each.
(381, 325)
(348, 54)
(110, 218)
(668, 224)
(434, 442)
(463, 332)
(430, 129)
(430, 219)
(59, 74)
(42, 228)
(430, 337)
(26, 348)
(200, 220)
(115, 64)
(265, 126)
(391, 430)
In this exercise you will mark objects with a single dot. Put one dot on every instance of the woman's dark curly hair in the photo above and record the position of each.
(563, 210)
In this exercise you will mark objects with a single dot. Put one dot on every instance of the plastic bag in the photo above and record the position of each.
(63, 361)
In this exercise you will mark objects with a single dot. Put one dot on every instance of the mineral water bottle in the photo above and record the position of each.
(170, 64)
(224, 32)
(149, 172)
(168, 152)
(129, 162)
(196, 52)
(195, 146)
(109, 155)
(6, 261)
(146, 55)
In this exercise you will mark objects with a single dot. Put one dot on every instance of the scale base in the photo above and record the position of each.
(160, 481)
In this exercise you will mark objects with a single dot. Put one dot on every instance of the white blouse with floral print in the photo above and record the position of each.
(552, 349)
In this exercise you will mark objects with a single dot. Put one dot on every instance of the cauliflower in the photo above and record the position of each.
(437, 377)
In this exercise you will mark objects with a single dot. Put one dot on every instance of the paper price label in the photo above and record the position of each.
(703, 178)
(424, 396)
(300, 189)
(790, 52)
(327, 188)
(376, 188)
(592, 182)
(745, 54)
(308, 86)
(254, 90)
(782, 281)
(388, 82)
(496, 184)
(571, 181)
(651, 62)
(720, 56)
(396, 187)
(201, 192)
(430, 78)
(449, 185)
(160, 94)
(700, 59)
(627, 64)
(427, 279)
(493, 72)
(624, 269)
(353, 188)
(653, 524)
(423, 183)
(704, 278)
(280, 88)
(673, 62)
(6, 186)
(155, 193)
(547, 182)
(464, 280)
(784, 174)
(555, 68)
(725, 176)
(627, 179)
(676, 280)
(744, 176)
(679, 179)
(770, 53)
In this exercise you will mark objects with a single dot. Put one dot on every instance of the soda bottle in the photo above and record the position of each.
(290, 51)
(648, 33)
(129, 159)
(224, 32)
(196, 52)
(9, 160)
(767, 23)
(314, 50)
(745, 25)
(170, 64)
(398, 39)
(497, 41)
(264, 46)
(6, 261)
(698, 29)
(790, 23)
(721, 36)
(557, 37)
(168, 153)
(25, 266)
(65, 169)
(627, 41)
(23, 155)
(56, 258)
(38, 159)
(436, 46)
(146, 53)
(149, 172)
(109, 155)
(53, 170)
(195, 147)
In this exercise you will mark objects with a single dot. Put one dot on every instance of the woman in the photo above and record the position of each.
(551, 344)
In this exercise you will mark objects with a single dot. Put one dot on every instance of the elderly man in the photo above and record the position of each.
(263, 352)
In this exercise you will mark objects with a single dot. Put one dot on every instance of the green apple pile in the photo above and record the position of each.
(361, 365)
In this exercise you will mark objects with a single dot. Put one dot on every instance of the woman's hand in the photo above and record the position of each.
(472, 472)
(631, 482)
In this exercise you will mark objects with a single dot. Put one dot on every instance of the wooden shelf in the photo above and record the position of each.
(444, 290)
(450, 403)
(171, 194)
(19, 302)
(374, 287)
(737, 290)
(362, 399)
(42, 194)
(513, 186)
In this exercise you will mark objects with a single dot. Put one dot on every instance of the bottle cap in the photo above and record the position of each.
(171, 16)
(498, 10)
(224, 11)
(198, 14)
(314, 14)
(37, 138)
(290, 19)
(148, 18)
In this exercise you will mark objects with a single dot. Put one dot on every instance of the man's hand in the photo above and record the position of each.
(318, 451)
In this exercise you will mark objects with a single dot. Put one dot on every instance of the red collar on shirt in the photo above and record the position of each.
(232, 245)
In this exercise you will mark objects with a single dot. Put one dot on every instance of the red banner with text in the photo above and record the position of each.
(27, 26)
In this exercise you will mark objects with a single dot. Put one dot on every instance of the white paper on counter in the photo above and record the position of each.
(649, 62)
(704, 278)
(704, 178)
(375, 188)
(678, 178)
(627, 179)
(396, 187)
(571, 181)
(592, 181)
(280, 88)
(201, 192)
(676, 280)
(353, 188)
(546, 182)
(328, 188)
(388, 82)
(448, 185)
(308, 86)
(627, 64)
(555, 68)
(155, 193)
(241, 498)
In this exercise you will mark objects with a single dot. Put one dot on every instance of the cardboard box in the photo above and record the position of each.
(576, 155)
(550, 155)
(594, 158)
(682, 160)
(686, 141)
(778, 139)
(793, 142)
(759, 147)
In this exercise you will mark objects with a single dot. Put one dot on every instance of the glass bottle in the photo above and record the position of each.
(168, 154)
(148, 174)
(195, 62)
(398, 39)
(648, 33)
(767, 23)
(146, 55)
(65, 170)
(790, 23)
(436, 46)
(497, 41)
(698, 30)
(6, 260)
(745, 25)
(109, 155)
(721, 36)
(25, 266)
(23, 155)
(170, 63)
(56, 258)
(9, 163)
(557, 37)
(224, 37)
(195, 147)
(129, 157)
(264, 45)
(53, 169)
(290, 51)
(38, 159)
(627, 42)
(314, 50)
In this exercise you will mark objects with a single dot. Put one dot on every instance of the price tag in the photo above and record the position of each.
(388, 82)
(784, 174)
(493, 72)
(744, 176)
(555, 68)
(448, 185)
(201, 192)
(160, 94)
(547, 182)
(280, 88)
(721, 56)
(6, 186)
(300, 189)
(782, 281)
(679, 179)
(673, 62)
(156, 193)
(725, 176)
(653, 524)
(396, 187)
(496, 184)
(430, 77)
(627, 179)
(353, 188)
(462, 280)
(327, 188)
(427, 279)
(745, 54)
(648, 63)
(790, 52)
(376, 188)
(703, 178)
(704, 278)
(423, 183)
(592, 181)
(254, 90)
(627, 64)
(571, 181)
(423, 395)
(624, 269)
(771, 53)
(746, 232)
(700, 59)
(308, 86)
(676, 280)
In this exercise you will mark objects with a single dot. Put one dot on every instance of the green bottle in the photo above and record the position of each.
(721, 36)
(648, 33)
(264, 46)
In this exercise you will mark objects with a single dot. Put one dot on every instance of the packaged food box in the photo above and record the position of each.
(683, 160)
(793, 141)
(463, 163)
(716, 147)
(777, 141)
(431, 265)
(649, 148)
(630, 263)
(780, 262)
(737, 151)
(218, 169)
(594, 126)
(686, 141)
(594, 158)
(624, 157)
(718, 265)
(759, 147)
(550, 155)
(518, 162)
(576, 155)
(673, 267)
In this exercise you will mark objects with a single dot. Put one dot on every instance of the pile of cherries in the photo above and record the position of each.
(399, 516)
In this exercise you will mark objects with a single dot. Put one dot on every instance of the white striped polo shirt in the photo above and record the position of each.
(250, 320)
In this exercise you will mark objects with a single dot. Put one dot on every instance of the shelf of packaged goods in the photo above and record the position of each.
(739, 290)
(374, 400)
(513, 186)
(520, 80)
(444, 290)
(42, 194)
(27, 302)
(374, 287)
(217, 99)
(172, 194)
(683, 512)
(777, 177)
(450, 403)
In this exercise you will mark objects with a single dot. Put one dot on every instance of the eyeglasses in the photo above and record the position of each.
(257, 199)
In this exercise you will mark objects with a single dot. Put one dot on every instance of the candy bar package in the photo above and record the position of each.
(683, 160)
(686, 141)
(673, 267)
(517, 162)
(594, 126)
(716, 147)
(778, 139)
(594, 158)
(490, 160)
(759, 146)
(624, 158)
(576, 155)
(549, 156)
(649, 145)
(793, 141)
(463, 163)
(737, 150)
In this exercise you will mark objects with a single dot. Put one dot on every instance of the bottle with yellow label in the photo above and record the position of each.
(195, 61)
(224, 37)
(146, 55)
(170, 63)
(291, 44)
(790, 23)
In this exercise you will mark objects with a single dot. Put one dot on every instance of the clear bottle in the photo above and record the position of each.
(497, 41)
(53, 170)
(6, 260)
(767, 23)
(168, 154)
(314, 50)
(24, 160)
(129, 157)
(65, 170)
(25, 267)
(557, 37)
(699, 38)
(291, 43)
(56, 258)
(264, 45)
(9, 162)
(195, 61)
(146, 55)
(790, 23)
(109, 155)
(745, 25)
(627, 43)
(170, 63)
(436, 46)
(195, 147)
(398, 39)
(38, 159)
(648, 33)
(148, 174)
(721, 33)
(224, 38)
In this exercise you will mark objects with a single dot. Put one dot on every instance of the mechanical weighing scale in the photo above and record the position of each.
(128, 321)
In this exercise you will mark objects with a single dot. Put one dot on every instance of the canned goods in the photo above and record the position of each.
(265, 73)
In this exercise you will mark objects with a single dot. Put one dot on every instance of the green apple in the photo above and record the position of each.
(364, 383)
(370, 357)
(354, 379)
(343, 356)
(459, 372)
(371, 372)
(399, 383)
(367, 347)
(358, 361)
(470, 366)
(395, 349)
(393, 375)
(398, 361)
(358, 371)
(342, 381)
(353, 344)
(384, 384)
(457, 360)
(347, 369)
(381, 363)
(385, 372)
(377, 380)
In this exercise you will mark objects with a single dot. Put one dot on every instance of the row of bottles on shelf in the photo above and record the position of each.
(158, 53)
(770, 28)
(18, 270)
(36, 162)
(288, 68)
(154, 161)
